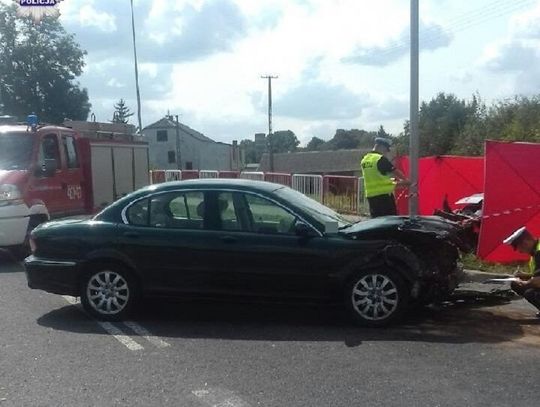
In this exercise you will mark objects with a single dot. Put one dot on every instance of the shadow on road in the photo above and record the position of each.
(8, 264)
(461, 322)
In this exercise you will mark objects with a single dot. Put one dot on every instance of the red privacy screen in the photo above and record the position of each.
(512, 197)
(440, 178)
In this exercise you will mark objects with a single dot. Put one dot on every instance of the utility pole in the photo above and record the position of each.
(136, 69)
(270, 144)
(414, 136)
(177, 125)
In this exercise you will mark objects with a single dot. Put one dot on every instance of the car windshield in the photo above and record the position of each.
(15, 151)
(320, 212)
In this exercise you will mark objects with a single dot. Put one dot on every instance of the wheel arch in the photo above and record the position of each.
(394, 255)
(111, 257)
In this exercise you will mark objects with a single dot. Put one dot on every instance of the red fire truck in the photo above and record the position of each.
(51, 171)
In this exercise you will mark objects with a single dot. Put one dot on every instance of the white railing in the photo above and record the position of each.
(255, 175)
(173, 175)
(208, 174)
(309, 185)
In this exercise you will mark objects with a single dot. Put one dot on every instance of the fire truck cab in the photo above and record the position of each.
(56, 171)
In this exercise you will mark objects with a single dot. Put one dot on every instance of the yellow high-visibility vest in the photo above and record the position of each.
(375, 183)
(532, 262)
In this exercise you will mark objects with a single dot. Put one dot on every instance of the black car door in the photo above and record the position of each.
(166, 237)
(256, 251)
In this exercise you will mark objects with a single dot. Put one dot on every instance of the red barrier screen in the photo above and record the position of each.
(441, 178)
(512, 197)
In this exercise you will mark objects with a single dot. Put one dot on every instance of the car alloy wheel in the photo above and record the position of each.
(108, 293)
(377, 297)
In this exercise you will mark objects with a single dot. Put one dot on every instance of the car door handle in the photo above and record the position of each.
(133, 235)
(228, 239)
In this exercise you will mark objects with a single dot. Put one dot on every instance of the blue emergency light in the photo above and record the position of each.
(32, 121)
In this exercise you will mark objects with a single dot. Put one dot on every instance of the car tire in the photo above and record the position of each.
(108, 291)
(376, 297)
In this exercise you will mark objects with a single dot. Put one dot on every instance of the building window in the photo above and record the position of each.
(189, 165)
(172, 157)
(162, 135)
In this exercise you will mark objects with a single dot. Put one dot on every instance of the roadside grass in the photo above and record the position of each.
(471, 262)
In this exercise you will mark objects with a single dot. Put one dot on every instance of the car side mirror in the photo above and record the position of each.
(49, 166)
(303, 230)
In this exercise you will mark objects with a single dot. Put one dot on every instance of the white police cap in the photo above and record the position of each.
(514, 237)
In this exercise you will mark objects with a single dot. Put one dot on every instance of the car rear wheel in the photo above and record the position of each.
(376, 297)
(108, 292)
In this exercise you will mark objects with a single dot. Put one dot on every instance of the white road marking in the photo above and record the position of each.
(150, 337)
(220, 398)
(110, 328)
(120, 336)
(71, 300)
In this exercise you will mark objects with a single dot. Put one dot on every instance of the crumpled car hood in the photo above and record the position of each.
(393, 227)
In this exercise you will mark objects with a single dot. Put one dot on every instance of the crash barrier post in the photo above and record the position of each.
(190, 174)
(255, 175)
(157, 176)
(362, 205)
(278, 178)
(228, 174)
(341, 193)
(208, 174)
(173, 175)
(309, 185)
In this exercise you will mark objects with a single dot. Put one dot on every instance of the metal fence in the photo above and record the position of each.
(254, 175)
(208, 174)
(278, 178)
(344, 194)
(309, 185)
(341, 193)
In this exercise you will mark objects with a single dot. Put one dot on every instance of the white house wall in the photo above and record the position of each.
(204, 155)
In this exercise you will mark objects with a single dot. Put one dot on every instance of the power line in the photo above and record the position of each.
(458, 24)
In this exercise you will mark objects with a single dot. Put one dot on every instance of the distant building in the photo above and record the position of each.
(339, 162)
(174, 145)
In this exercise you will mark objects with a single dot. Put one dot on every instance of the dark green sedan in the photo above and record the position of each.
(249, 239)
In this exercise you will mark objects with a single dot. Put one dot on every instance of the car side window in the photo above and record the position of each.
(178, 210)
(137, 213)
(228, 212)
(269, 218)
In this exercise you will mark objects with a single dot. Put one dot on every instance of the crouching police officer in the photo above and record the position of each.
(528, 285)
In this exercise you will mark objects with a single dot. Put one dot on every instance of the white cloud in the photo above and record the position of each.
(90, 17)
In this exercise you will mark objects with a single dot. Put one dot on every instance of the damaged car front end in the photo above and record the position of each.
(425, 249)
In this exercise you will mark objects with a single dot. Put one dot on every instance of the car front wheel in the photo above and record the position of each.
(376, 297)
(108, 292)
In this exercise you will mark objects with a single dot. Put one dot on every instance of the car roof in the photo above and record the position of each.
(219, 183)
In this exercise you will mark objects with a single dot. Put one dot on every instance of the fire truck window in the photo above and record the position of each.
(49, 149)
(70, 151)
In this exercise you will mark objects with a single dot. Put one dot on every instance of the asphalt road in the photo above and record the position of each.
(238, 355)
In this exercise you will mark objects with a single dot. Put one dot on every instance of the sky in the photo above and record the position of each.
(340, 63)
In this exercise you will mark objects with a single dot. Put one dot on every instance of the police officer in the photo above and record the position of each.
(528, 285)
(378, 182)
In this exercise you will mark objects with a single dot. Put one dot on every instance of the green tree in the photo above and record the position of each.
(121, 112)
(382, 132)
(441, 122)
(350, 139)
(38, 67)
(250, 151)
(283, 141)
(314, 144)
(517, 119)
